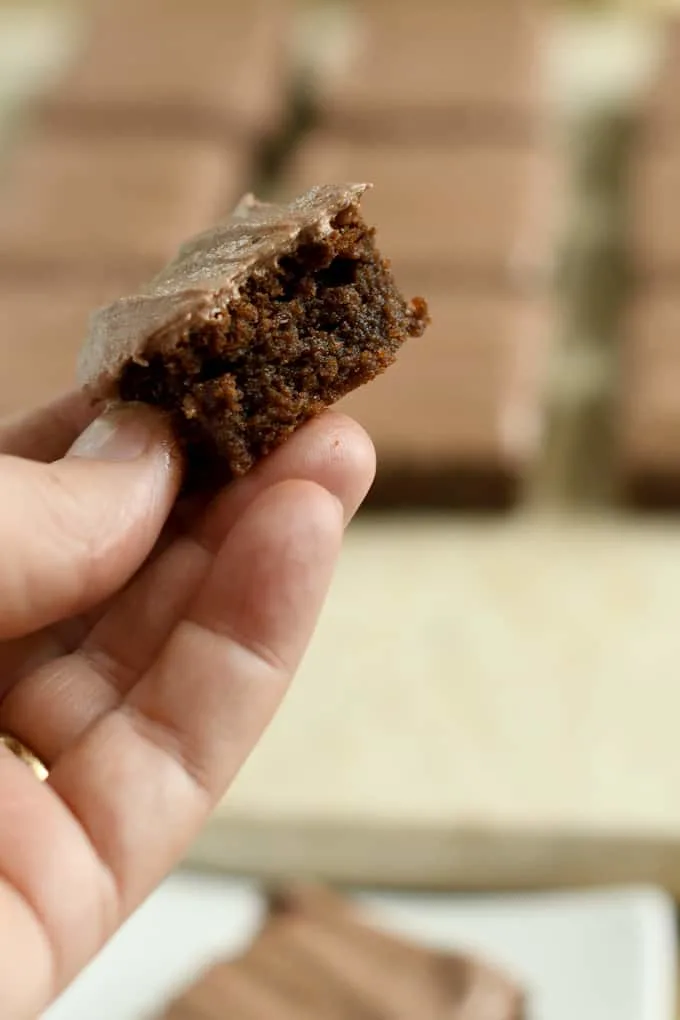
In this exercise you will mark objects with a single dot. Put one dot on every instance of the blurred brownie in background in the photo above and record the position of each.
(471, 226)
(327, 962)
(81, 205)
(188, 67)
(459, 419)
(441, 70)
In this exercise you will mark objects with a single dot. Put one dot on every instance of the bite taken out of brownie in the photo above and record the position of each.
(257, 325)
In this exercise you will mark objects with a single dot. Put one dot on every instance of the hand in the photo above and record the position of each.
(141, 656)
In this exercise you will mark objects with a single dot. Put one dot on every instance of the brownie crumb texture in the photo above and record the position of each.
(303, 331)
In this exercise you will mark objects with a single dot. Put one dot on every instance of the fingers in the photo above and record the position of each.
(219, 695)
(142, 780)
(74, 531)
(61, 696)
(332, 450)
(57, 902)
(46, 434)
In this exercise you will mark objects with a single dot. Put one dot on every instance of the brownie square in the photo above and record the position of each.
(482, 212)
(459, 420)
(326, 962)
(117, 202)
(216, 67)
(440, 69)
(258, 325)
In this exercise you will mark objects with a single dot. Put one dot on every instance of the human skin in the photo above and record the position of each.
(144, 647)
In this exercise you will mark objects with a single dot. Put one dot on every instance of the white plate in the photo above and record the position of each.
(582, 956)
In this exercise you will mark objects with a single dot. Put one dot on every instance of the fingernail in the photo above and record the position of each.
(122, 433)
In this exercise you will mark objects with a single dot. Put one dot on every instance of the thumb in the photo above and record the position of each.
(73, 532)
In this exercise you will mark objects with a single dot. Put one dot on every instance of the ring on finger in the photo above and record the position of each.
(19, 750)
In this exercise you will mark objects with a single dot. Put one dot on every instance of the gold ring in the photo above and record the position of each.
(20, 751)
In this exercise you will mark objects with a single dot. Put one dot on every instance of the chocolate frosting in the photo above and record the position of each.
(206, 275)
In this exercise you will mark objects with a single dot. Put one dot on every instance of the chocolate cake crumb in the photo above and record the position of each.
(257, 327)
